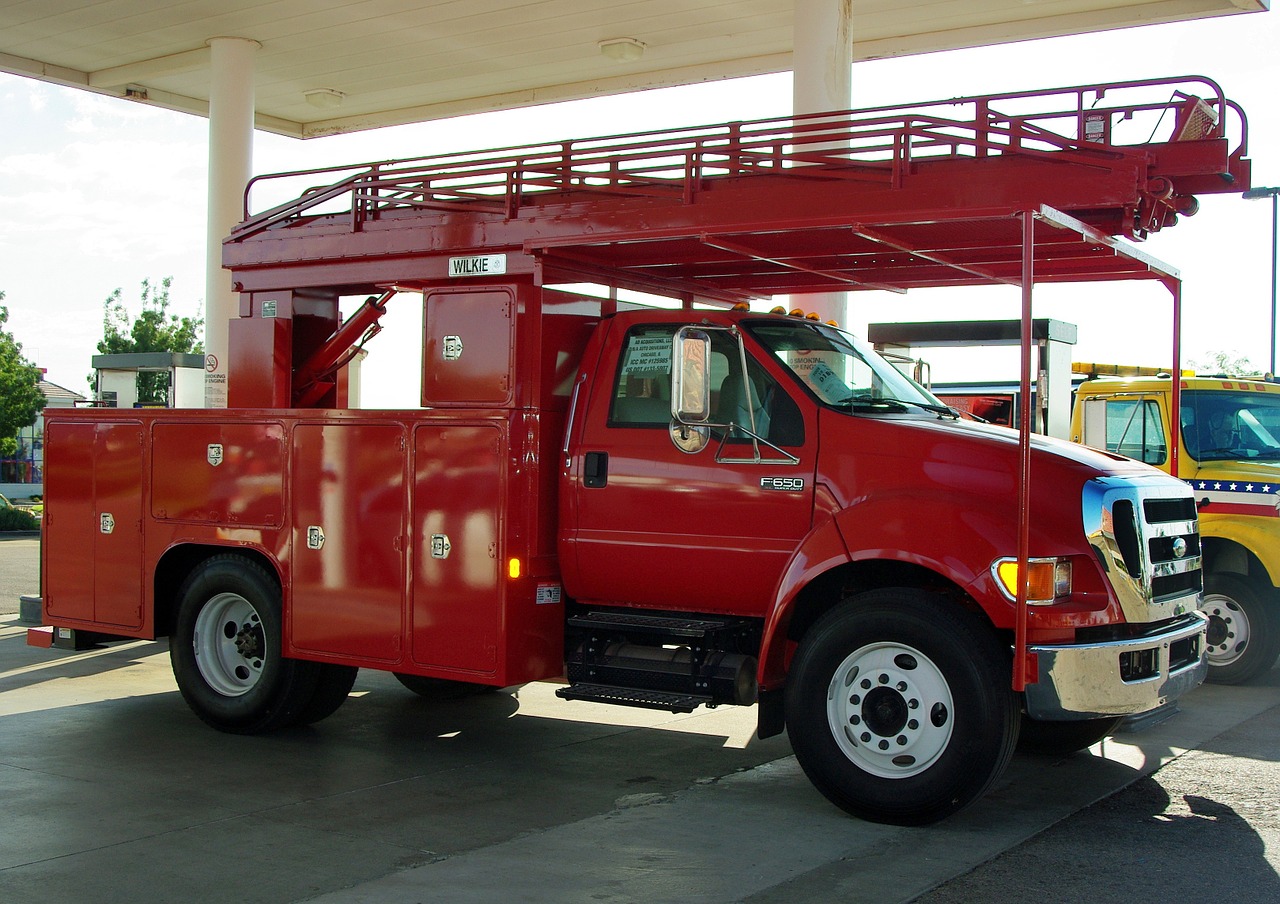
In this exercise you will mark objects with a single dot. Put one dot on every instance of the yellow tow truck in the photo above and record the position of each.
(1228, 451)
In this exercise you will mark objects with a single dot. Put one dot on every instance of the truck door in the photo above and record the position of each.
(659, 527)
(1130, 425)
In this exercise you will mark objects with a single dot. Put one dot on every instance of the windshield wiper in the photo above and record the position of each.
(897, 404)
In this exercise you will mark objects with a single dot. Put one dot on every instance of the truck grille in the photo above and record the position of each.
(1145, 533)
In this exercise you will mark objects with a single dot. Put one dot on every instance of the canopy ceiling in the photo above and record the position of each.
(386, 62)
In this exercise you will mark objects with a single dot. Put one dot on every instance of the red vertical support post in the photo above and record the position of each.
(1020, 662)
(1174, 285)
(982, 128)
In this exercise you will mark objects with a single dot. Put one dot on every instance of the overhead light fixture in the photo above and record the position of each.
(622, 50)
(324, 98)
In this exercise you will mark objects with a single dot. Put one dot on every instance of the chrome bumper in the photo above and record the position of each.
(1121, 677)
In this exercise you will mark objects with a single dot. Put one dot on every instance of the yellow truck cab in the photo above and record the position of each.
(1229, 453)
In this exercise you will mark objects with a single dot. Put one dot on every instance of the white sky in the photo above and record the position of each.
(98, 193)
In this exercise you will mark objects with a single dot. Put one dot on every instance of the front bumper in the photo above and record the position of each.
(1119, 677)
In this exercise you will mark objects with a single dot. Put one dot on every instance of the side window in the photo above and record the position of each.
(1134, 430)
(774, 412)
(642, 389)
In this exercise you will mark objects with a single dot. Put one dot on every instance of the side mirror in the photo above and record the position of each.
(691, 376)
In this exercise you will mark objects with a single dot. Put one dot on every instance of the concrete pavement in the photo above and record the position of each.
(114, 791)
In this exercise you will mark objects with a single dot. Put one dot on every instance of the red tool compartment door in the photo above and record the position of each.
(93, 522)
(347, 592)
(457, 589)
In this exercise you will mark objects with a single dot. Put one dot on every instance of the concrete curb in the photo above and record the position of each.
(30, 610)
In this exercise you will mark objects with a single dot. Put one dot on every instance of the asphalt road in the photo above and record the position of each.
(114, 791)
(19, 569)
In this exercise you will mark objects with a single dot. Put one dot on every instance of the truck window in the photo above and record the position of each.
(1229, 426)
(642, 390)
(1135, 430)
(838, 369)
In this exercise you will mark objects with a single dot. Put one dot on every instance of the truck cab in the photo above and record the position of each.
(1229, 454)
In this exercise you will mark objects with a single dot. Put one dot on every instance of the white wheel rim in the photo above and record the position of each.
(890, 710)
(229, 644)
(1228, 629)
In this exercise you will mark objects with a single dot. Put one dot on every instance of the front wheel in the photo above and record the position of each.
(226, 650)
(1244, 636)
(900, 708)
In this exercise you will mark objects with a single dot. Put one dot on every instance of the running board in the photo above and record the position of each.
(664, 625)
(634, 696)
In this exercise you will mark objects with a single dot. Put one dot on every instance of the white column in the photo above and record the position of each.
(230, 166)
(822, 80)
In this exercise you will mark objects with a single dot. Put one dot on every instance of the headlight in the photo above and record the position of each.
(1050, 579)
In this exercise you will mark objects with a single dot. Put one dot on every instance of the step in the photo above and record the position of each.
(673, 626)
(634, 696)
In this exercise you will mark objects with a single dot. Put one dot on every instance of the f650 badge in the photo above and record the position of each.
(787, 484)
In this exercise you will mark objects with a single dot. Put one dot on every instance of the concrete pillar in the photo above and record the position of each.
(822, 80)
(231, 104)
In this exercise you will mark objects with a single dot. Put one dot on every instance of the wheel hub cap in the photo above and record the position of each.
(230, 644)
(889, 709)
(1228, 629)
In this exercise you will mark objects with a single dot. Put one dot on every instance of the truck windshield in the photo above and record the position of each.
(842, 370)
(1229, 426)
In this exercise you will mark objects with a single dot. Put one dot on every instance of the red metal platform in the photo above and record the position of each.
(884, 198)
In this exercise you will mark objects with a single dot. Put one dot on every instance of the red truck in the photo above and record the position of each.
(671, 506)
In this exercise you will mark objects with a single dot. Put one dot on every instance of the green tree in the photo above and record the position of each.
(1229, 364)
(153, 330)
(20, 396)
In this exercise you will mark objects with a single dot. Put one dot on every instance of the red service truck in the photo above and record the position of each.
(666, 505)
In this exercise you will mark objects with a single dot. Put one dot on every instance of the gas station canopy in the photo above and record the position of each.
(332, 66)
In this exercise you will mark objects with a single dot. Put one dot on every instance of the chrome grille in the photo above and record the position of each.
(1145, 533)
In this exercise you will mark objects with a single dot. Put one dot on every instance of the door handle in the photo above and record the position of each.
(595, 469)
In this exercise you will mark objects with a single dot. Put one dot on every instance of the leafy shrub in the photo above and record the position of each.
(16, 519)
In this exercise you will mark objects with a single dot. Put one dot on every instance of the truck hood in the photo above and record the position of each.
(1233, 488)
(1245, 471)
(994, 437)
(890, 475)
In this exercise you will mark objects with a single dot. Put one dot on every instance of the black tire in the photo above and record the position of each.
(332, 689)
(1244, 634)
(441, 689)
(862, 677)
(226, 650)
(1062, 738)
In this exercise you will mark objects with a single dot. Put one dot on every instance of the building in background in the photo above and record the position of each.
(22, 475)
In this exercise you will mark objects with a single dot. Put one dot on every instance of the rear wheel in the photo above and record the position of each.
(226, 650)
(1244, 636)
(1061, 738)
(899, 709)
(332, 688)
